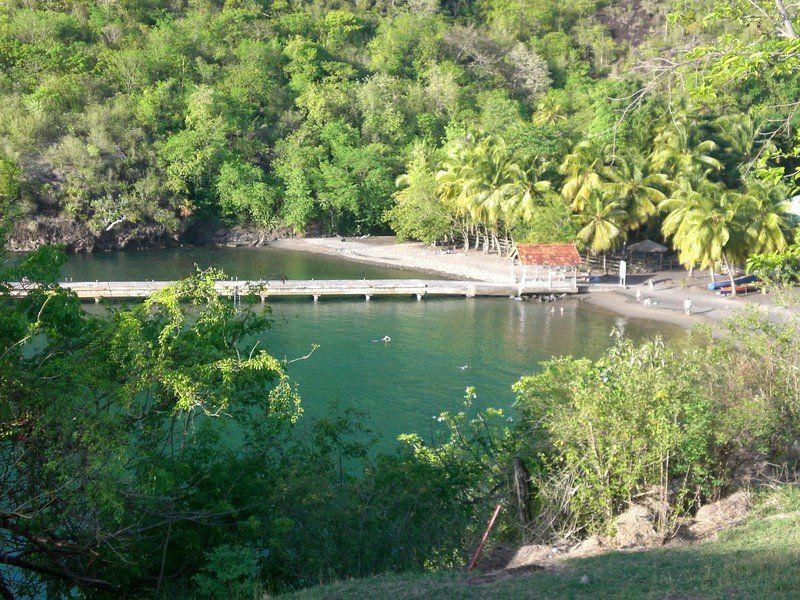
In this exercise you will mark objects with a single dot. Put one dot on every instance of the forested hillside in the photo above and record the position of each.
(150, 116)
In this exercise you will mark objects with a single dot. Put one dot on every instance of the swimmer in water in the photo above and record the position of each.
(464, 367)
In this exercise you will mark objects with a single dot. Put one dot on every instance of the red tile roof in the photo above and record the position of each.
(549, 255)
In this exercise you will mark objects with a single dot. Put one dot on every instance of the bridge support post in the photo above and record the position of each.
(263, 298)
(367, 297)
(419, 297)
(316, 298)
(97, 299)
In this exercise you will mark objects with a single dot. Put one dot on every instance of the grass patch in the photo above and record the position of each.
(756, 560)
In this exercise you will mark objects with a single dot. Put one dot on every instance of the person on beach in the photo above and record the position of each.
(638, 295)
(687, 307)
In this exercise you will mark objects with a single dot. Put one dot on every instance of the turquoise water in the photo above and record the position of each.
(438, 347)
(403, 384)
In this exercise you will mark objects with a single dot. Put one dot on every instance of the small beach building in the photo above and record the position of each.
(646, 248)
(549, 262)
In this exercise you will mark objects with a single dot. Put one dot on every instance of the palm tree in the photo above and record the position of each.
(680, 149)
(737, 134)
(687, 195)
(449, 184)
(767, 210)
(582, 170)
(603, 219)
(708, 227)
(449, 181)
(638, 187)
(549, 112)
(737, 139)
(486, 176)
(526, 190)
(473, 179)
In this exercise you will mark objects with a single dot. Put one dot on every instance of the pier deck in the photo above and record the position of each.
(317, 289)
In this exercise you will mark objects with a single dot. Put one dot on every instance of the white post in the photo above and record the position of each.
(550, 278)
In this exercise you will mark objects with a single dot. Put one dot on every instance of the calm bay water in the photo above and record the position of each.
(241, 263)
(438, 347)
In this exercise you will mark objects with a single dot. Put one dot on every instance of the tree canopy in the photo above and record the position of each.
(169, 115)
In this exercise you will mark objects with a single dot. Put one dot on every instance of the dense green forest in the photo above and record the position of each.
(538, 120)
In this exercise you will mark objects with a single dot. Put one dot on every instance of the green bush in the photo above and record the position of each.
(637, 419)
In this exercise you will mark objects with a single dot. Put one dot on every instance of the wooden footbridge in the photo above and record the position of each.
(317, 289)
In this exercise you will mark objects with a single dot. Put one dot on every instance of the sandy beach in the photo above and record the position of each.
(670, 289)
(384, 250)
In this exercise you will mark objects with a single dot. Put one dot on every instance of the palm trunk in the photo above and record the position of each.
(730, 275)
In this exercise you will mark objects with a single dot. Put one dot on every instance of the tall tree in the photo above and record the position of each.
(767, 207)
(681, 149)
(709, 226)
(582, 169)
(526, 191)
(637, 186)
(603, 219)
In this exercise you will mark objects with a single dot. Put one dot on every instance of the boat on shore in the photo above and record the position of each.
(719, 285)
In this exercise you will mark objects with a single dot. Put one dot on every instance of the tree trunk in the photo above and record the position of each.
(730, 275)
(521, 479)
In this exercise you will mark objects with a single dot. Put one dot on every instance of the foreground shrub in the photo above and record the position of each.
(637, 420)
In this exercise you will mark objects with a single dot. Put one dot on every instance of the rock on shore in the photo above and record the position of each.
(75, 236)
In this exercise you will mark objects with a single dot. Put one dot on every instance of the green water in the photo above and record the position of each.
(241, 263)
(403, 384)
